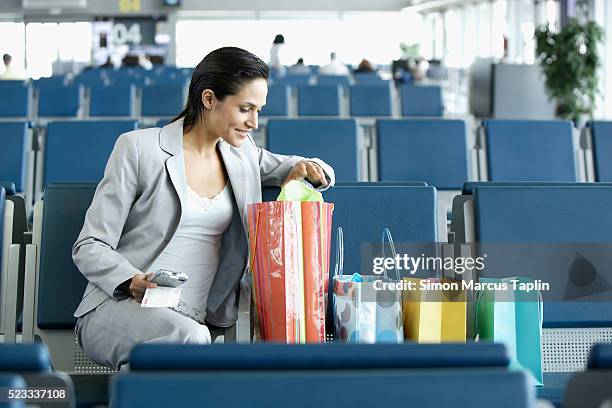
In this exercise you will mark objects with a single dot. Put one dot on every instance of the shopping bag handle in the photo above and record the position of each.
(339, 268)
(387, 233)
(541, 308)
(476, 304)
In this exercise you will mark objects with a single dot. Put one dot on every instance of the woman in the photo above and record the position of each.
(175, 198)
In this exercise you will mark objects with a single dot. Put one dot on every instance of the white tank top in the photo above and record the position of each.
(195, 248)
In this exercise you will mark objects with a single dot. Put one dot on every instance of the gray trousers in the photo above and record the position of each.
(108, 333)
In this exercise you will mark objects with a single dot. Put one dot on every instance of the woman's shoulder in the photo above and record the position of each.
(143, 141)
(146, 135)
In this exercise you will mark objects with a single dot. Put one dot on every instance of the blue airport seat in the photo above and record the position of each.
(78, 150)
(319, 100)
(15, 101)
(9, 187)
(333, 140)
(167, 78)
(33, 363)
(22, 358)
(294, 79)
(277, 102)
(370, 99)
(134, 80)
(163, 100)
(61, 285)
(369, 78)
(131, 75)
(601, 133)
(57, 80)
(90, 81)
(114, 100)
(600, 357)
(433, 150)
(163, 122)
(523, 150)
(267, 356)
(13, 382)
(341, 80)
(323, 389)
(469, 186)
(565, 229)
(421, 100)
(363, 213)
(14, 158)
(58, 100)
(58, 291)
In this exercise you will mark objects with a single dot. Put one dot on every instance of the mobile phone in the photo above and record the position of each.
(164, 277)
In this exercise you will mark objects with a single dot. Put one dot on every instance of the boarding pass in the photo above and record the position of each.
(161, 296)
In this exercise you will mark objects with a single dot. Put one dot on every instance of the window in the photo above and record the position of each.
(49, 42)
(353, 36)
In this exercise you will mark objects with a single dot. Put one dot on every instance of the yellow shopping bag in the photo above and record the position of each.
(435, 310)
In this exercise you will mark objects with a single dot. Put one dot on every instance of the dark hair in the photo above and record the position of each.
(6, 58)
(300, 60)
(224, 71)
(279, 39)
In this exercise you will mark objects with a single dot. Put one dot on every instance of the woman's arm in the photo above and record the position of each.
(94, 252)
(274, 168)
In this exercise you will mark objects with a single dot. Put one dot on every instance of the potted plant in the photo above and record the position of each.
(570, 61)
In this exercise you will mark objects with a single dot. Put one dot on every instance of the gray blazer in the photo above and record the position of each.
(137, 208)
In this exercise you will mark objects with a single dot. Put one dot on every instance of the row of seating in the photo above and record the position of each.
(279, 375)
(563, 213)
(435, 150)
(363, 100)
(275, 375)
(44, 100)
(68, 150)
(138, 76)
(343, 80)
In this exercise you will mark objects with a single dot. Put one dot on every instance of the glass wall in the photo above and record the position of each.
(47, 43)
(353, 36)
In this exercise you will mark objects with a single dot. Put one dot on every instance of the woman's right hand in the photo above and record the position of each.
(139, 285)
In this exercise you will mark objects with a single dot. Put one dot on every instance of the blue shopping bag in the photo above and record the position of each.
(514, 318)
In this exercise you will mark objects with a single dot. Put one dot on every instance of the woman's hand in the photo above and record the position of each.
(139, 285)
(305, 169)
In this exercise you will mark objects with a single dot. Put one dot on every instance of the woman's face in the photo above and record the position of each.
(233, 118)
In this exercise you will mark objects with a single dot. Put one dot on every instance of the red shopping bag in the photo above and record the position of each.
(290, 243)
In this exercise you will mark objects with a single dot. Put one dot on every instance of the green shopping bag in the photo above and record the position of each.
(514, 318)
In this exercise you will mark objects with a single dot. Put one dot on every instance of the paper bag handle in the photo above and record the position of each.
(339, 268)
(387, 233)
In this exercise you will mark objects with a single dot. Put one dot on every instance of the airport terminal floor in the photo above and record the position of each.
(346, 203)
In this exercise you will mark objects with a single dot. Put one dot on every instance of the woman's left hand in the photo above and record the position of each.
(305, 169)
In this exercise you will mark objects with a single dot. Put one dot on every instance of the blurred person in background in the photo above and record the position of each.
(299, 68)
(334, 67)
(277, 68)
(365, 66)
(10, 73)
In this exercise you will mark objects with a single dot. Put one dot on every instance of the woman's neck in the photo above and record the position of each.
(200, 140)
